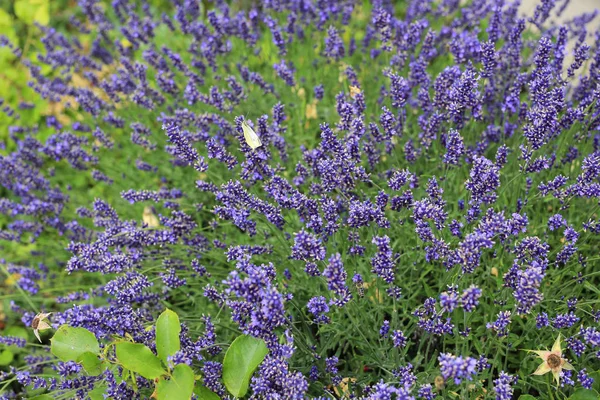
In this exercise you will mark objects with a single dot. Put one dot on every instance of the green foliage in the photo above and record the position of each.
(91, 363)
(585, 394)
(70, 343)
(6, 357)
(167, 335)
(241, 360)
(138, 358)
(30, 11)
(179, 386)
(204, 393)
(97, 393)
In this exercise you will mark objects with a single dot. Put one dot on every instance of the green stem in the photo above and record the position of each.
(549, 387)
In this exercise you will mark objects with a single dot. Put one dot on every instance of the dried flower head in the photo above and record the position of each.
(38, 324)
(552, 361)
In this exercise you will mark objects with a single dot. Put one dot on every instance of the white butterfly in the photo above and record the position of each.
(251, 137)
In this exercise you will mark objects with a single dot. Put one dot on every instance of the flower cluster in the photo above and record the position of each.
(420, 183)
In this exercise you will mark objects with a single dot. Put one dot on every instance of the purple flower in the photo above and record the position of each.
(307, 247)
(318, 307)
(383, 262)
(385, 328)
(470, 298)
(286, 72)
(336, 280)
(455, 148)
(503, 386)
(334, 46)
(399, 339)
(556, 221)
(501, 323)
(457, 367)
(585, 380)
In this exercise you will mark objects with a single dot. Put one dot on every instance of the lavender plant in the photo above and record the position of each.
(334, 199)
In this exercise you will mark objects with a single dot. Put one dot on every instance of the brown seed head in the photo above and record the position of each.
(554, 361)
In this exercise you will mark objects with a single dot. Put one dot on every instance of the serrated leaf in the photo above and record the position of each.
(6, 357)
(91, 363)
(167, 334)
(584, 394)
(140, 359)
(205, 393)
(243, 357)
(68, 343)
(179, 387)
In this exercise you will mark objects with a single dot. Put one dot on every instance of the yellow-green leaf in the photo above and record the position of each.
(140, 359)
(6, 357)
(68, 343)
(167, 334)
(243, 357)
(30, 11)
(205, 393)
(97, 393)
(91, 363)
(179, 387)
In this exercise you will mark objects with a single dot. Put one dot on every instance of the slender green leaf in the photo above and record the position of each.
(167, 334)
(596, 377)
(205, 393)
(68, 343)
(179, 387)
(243, 356)
(140, 359)
(91, 363)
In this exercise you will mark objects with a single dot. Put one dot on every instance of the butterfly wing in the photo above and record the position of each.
(251, 137)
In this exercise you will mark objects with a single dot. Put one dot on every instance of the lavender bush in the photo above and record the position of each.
(374, 200)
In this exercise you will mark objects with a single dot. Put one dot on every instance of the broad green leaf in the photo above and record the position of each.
(140, 359)
(68, 343)
(243, 356)
(167, 334)
(6, 357)
(91, 363)
(42, 397)
(179, 387)
(584, 394)
(205, 393)
(527, 397)
(30, 11)
(97, 393)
